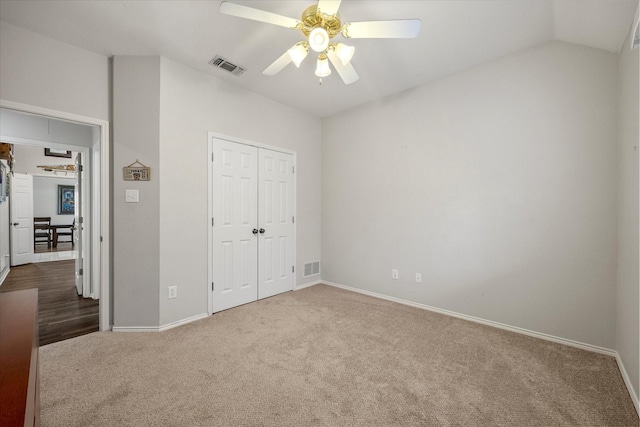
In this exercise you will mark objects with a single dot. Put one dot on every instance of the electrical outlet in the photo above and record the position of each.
(418, 278)
(173, 292)
(394, 274)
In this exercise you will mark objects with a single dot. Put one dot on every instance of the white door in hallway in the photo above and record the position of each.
(253, 241)
(21, 214)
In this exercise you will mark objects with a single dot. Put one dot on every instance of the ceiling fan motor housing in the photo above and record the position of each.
(312, 18)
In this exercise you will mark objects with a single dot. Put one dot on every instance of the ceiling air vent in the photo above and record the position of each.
(220, 62)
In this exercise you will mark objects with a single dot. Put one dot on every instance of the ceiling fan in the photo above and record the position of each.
(320, 24)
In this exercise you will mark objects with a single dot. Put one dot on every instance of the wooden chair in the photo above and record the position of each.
(42, 230)
(66, 231)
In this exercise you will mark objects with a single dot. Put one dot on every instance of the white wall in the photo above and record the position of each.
(497, 184)
(37, 70)
(162, 241)
(45, 198)
(136, 240)
(193, 103)
(41, 129)
(628, 317)
(28, 158)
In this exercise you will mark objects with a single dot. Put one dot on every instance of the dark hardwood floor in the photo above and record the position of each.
(62, 314)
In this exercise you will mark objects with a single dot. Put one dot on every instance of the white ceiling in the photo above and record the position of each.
(455, 35)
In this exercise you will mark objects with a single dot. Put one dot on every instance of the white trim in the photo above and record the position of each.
(135, 329)
(627, 382)
(183, 322)
(307, 285)
(4, 275)
(159, 328)
(100, 216)
(572, 343)
(248, 142)
(210, 136)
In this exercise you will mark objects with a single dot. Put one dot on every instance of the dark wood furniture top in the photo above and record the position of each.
(19, 384)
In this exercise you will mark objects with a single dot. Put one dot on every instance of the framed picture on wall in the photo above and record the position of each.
(66, 200)
(52, 152)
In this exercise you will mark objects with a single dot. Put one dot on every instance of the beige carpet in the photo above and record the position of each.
(324, 356)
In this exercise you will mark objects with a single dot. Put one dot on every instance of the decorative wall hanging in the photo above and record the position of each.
(66, 200)
(52, 152)
(136, 173)
(59, 168)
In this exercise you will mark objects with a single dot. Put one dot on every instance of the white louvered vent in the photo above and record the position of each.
(311, 268)
(219, 62)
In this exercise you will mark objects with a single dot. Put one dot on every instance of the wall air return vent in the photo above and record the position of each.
(311, 268)
(219, 62)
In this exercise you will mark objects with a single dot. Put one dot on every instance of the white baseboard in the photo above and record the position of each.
(565, 341)
(307, 285)
(627, 382)
(4, 275)
(499, 325)
(158, 328)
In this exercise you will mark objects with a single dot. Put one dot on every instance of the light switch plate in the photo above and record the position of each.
(131, 196)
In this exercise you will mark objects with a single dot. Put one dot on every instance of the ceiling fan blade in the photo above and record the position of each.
(257, 15)
(397, 29)
(328, 7)
(278, 65)
(347, 72)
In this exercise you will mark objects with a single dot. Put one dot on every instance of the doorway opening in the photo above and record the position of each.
(58, 132)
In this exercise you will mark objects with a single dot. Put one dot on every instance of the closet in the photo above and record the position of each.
(252, 239)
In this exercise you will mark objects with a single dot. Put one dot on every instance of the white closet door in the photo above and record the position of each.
(275, 211)
(234, 245)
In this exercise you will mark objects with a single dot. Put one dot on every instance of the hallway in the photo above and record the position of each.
(62, 314)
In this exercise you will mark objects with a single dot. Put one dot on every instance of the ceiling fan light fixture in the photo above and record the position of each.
(344, 52)
(298, 53)
(319, 39)
(322, 66)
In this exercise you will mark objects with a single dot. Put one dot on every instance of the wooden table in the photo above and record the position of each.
(54, 232)
(19, 383)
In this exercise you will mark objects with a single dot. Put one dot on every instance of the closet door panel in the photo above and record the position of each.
(234, 199)
(275, 217)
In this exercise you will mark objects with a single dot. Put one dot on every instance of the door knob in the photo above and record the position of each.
(262, 231)
(255, 231)
(15, 224)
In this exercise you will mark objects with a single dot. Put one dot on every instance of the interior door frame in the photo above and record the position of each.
(210, 137)
(100, 205)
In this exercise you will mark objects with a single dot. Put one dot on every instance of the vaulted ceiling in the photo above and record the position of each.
(455, 35)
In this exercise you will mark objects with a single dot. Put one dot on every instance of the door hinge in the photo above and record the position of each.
(293, 169)
(100, 239)
(293, 219)
(212, 286)
(212, 157)
(293, 269)
(81, 220)
(213, 221)
(81, 168)
(81, 272)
